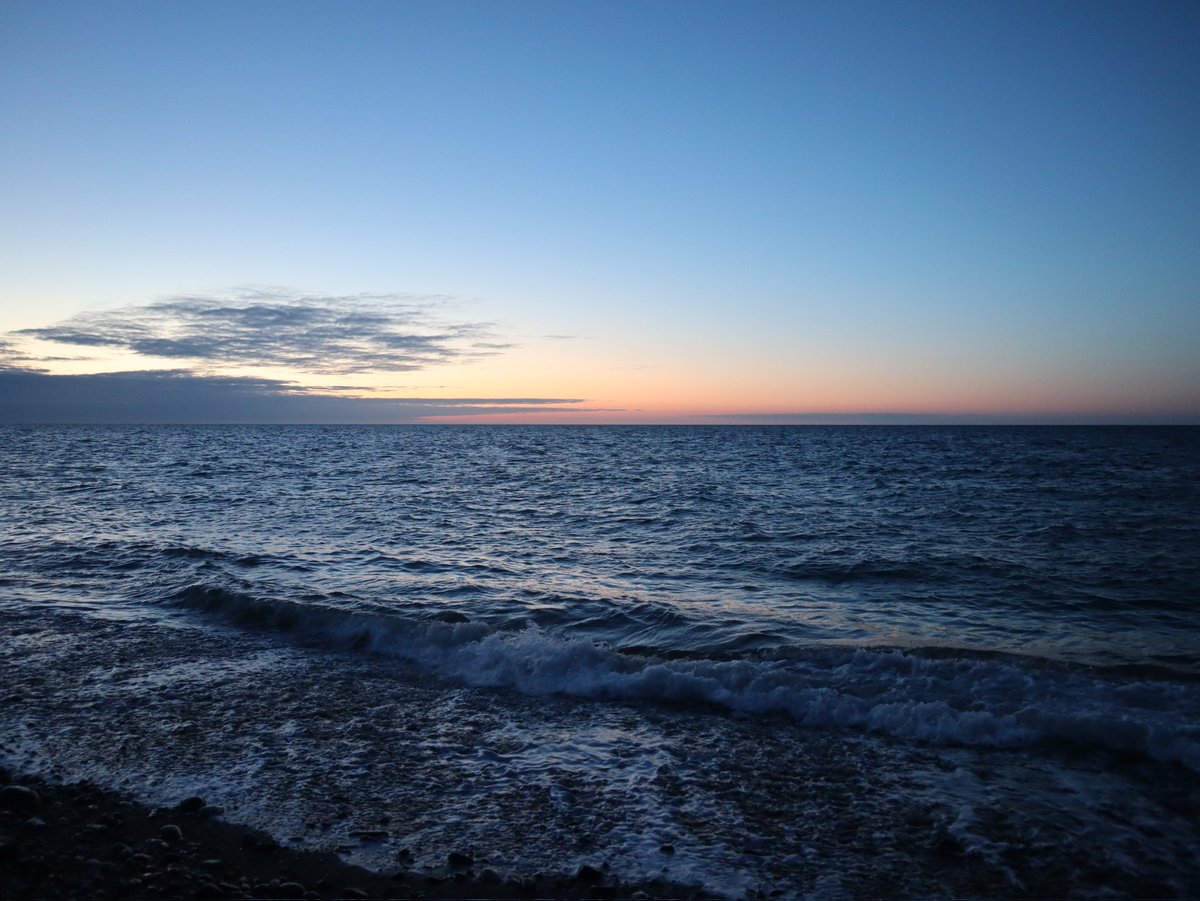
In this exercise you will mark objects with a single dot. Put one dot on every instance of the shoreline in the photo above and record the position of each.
(78, 840)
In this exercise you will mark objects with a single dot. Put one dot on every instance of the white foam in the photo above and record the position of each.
(980, 703)
(943, 700)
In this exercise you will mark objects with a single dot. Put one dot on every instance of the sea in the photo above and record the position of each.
(802, 662)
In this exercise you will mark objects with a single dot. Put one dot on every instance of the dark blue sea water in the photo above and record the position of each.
(820, 660)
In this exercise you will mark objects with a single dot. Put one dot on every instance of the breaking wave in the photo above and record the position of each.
(944, 697)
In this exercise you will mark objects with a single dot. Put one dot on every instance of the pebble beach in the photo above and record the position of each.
(79, 841)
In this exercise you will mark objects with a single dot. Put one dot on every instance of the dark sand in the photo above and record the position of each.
(80, 841)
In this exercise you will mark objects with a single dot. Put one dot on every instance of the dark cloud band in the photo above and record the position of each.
(177, 396)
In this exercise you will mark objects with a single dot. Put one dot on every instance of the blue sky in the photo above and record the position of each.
(901, 208)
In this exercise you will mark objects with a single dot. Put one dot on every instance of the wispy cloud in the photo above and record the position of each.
(13, 360)
(260, 327)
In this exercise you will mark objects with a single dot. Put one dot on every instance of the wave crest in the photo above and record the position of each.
(940, 699)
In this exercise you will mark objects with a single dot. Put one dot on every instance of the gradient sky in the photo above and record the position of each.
(635, 212)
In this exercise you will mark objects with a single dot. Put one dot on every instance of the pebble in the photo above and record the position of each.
(265, 845)
(588, 873)
(19, 798)
(210, 810)
(169, 870)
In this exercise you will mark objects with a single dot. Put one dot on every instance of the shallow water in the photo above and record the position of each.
(828, 661)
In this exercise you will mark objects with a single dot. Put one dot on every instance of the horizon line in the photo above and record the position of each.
(949, 422)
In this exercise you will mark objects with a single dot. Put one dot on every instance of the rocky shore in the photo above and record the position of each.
(80, 841)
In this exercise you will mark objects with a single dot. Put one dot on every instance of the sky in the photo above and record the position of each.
(600, 212)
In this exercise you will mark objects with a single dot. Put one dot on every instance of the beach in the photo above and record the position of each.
(80, 841)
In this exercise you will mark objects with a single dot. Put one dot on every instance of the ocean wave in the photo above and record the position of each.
(942, 698)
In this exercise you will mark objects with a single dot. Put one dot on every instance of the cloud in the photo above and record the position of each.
(13, 360)
(178, 396)
(259, 327)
